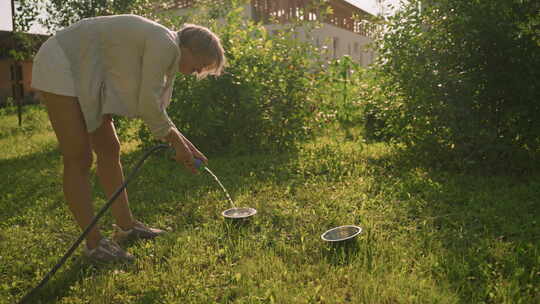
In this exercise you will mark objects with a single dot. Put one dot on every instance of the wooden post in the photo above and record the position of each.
(16, 77)
(12, 16)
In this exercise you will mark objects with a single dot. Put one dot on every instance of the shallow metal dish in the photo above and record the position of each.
(341, 233)
(239, 212)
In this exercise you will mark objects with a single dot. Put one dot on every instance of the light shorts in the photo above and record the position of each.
(51, 70)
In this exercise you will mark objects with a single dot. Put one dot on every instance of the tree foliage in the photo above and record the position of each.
(467, 77)
(54, 15)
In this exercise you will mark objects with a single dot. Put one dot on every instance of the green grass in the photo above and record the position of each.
(429, 236)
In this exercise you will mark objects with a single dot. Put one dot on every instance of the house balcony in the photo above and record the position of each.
(344, 15)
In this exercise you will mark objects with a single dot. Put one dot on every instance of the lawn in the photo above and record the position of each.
(430, 236)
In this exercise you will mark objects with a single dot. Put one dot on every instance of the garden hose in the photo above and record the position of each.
(96, 218)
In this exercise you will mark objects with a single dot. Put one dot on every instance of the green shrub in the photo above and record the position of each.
(465, 76)
(380, 103)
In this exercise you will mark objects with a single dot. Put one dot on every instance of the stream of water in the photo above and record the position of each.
(222, 187)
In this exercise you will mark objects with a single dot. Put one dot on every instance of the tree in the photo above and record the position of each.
(467, 73)
(54, 15)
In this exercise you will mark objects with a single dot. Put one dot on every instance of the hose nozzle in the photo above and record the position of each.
(199, 164)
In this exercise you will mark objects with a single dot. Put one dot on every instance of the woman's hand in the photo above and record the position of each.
(195, 152)
(185, 151)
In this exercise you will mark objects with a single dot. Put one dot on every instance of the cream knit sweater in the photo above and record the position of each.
(125, 65)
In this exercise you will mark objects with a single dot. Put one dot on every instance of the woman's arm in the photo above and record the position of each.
(160, 53)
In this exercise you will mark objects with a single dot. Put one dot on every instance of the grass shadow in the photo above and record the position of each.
(59, 285)
(236, 230)
(341, 253)
(485, 226)
(150, 296)
(37, 171)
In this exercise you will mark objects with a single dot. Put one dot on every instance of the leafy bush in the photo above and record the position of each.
(465, 75)
(263, 102)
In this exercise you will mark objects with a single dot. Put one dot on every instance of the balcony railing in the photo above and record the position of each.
(344, 14)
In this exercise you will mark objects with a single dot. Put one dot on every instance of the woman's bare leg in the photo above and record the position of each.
(109, 169)
(70, 129)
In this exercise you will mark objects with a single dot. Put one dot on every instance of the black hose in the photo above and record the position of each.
(96, 218)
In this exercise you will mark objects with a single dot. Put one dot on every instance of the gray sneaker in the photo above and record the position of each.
(139, 231)
(108, 251)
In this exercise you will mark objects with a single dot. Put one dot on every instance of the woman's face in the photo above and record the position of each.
(190, 64)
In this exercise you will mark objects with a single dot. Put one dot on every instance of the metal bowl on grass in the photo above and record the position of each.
(341, 233)
(239, 212)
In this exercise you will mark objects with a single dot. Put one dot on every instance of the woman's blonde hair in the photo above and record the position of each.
(205, 45)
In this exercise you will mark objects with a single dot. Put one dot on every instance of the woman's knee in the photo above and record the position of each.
(110, 152)
(68, 124)
(105, 142)
(81, 160)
